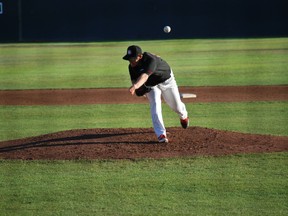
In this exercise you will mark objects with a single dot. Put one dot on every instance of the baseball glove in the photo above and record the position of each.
(142, 90)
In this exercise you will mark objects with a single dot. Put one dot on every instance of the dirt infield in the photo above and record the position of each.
(134, 143)
(121, 96)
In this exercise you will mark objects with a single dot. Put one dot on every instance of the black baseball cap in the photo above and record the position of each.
(132, 52)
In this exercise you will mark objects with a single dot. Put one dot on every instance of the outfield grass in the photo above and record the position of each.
(94, 65)
(231, 185)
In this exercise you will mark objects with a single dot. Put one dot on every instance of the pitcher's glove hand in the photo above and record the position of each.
(142, 90)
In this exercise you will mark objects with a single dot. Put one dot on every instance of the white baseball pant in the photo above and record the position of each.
(169, 91)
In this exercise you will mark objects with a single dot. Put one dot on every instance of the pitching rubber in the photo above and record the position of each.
(187, 95)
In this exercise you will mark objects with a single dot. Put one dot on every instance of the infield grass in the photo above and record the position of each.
(247, 117)
(231, 185)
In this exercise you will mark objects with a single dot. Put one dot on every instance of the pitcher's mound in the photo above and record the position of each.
(134, 143)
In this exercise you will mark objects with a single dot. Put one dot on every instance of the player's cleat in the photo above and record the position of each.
(184, 122)
(162, 139)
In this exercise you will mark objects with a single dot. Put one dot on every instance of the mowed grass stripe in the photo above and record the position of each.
(99, 65)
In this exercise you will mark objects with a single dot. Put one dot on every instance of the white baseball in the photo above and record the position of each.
(167, 29)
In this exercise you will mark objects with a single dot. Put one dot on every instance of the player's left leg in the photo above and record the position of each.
(171, 95)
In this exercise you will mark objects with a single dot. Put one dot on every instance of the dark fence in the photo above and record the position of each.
(93, 20)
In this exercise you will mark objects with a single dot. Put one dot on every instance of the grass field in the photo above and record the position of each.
(95, 65)
(231, 185)
(248, 117)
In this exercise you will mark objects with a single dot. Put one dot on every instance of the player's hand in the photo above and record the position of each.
(132, 90)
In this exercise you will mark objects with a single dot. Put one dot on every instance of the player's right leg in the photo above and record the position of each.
(154, 97)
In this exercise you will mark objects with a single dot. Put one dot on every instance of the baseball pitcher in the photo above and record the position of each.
(152, 76)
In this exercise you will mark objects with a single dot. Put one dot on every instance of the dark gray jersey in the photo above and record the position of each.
(157, 69)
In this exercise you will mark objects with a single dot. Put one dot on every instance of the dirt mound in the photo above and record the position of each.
(135, 143)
